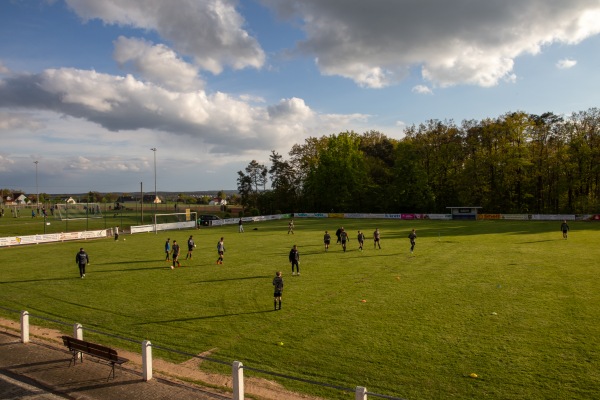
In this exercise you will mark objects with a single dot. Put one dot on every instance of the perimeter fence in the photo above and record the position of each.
(360, 392)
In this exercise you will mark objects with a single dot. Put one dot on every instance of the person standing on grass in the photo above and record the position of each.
(376, 238)
(168, 249)
(175, 254)
(117, 232)
(82, 259)
(344, 238)
(338, 233)
(191, 246)
(361, 240)
(294, 258)
(412, 236)
(291, 227)
(278, 288)
(221, 251)
(240, 226)
(564, 227)
(326, 240)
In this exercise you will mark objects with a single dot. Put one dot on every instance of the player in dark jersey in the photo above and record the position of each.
(278, 290)
(175, 254)
(361, 240)
(376, 238)
(344, 238)
(191, 246)
(412, 236)
(294, 258)
(326, 240)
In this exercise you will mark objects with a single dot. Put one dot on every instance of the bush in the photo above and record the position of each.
(254, 212)
(241, 214)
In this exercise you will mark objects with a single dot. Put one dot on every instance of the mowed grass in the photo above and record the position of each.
(510, 301)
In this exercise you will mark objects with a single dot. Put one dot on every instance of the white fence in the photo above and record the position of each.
(237, 368)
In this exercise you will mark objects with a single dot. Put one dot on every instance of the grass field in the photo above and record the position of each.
(510, 301)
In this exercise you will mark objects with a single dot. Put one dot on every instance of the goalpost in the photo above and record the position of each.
(67, 212)
(186, 220)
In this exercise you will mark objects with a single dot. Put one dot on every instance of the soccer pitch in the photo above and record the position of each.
(511, 302)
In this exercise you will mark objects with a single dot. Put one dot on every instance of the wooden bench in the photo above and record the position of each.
(79, 347)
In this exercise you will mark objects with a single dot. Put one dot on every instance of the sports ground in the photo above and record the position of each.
(481, 309)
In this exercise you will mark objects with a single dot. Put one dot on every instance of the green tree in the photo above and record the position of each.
(340, 175)
(412, 192)
(284, 182)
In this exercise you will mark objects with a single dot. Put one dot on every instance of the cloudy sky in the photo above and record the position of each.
(88, 87)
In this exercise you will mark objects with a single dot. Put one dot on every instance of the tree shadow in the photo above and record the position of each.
(168, 321)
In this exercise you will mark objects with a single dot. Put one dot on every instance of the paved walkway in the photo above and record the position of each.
(41, 371)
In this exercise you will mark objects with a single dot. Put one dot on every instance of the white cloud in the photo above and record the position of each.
(566, 63)
(221, 123)
(211, 31)
(3, 69)
(17, 120)
(377, 43)
(157, 63)
(422, 89)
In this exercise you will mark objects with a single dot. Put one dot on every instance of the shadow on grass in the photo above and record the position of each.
(235, 279)
(540, 241)
(205, 317)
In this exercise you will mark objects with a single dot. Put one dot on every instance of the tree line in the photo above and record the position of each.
(516, 163)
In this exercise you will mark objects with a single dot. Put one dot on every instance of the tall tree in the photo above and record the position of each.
(250, 183)
(340, 175)
(284, 183)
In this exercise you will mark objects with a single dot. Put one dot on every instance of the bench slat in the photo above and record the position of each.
(93, 349)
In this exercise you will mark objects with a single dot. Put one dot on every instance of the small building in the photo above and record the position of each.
(464, 212)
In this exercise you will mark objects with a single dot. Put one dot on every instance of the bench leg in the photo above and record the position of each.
(76, 355)
(112, 372)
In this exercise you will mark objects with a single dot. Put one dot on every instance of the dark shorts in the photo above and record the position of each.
(376, 239)
(221, 253)
(327, 241)
(277, 294)
(190, 248)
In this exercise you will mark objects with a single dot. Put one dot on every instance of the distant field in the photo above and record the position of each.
(510, 301)
(131, 215)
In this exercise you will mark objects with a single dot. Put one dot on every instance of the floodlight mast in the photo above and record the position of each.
(155, 192)
(37, 191)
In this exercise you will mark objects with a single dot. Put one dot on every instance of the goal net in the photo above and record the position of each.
(186, 220)
(65, 212)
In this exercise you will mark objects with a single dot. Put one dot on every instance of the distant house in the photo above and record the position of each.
(19, 198)
(69, 200)
(217, 202)
(150, 198)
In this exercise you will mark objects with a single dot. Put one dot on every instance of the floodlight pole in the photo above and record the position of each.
(155, 192)
(37, 191)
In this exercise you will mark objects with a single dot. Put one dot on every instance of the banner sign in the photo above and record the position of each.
(547, 217)
(51, 237)
(489, 216)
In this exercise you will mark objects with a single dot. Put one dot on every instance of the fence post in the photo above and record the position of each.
(237, 370)
(360, 393)
(78, 331)
(146, 360)
(24, 327)
(78, 334)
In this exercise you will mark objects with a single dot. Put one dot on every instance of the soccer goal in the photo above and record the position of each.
(186, 220)
(66, 212)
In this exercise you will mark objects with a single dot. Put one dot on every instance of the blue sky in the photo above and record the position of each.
(88, 87)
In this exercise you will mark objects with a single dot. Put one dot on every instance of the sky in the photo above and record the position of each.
(88, 88)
